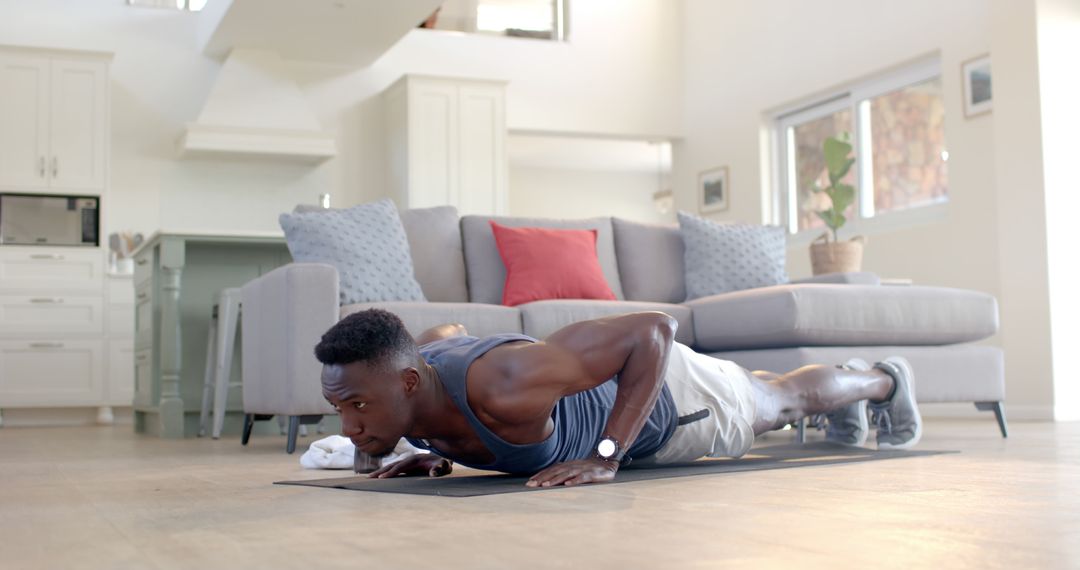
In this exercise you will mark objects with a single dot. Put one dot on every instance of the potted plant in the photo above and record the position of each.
(836, 256)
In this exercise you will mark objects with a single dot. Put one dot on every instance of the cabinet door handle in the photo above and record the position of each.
(41, 167)
(47, 256)
(141, 296)
(55, 167)
(46, 345)
(141, 357)
(141, 261)
(54, 300)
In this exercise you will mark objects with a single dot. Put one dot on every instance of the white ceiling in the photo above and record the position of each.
(588, 153)
(354, 32)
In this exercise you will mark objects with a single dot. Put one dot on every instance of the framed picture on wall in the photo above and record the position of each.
(713, 190)
(978, 92)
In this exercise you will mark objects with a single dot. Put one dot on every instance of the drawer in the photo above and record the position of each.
(144, 316)
(144, 267)
(38, 268)
(121, 320)
(50, 314)
(146, 389)
(120, 381)
(50, 372)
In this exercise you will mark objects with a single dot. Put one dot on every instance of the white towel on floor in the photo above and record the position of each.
(336, 452)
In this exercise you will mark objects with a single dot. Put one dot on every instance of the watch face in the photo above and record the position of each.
(606, 448)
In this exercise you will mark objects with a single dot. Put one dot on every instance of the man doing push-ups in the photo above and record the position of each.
(593, 396)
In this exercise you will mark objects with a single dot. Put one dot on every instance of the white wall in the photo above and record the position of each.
(548, 192)
(1059, 90)
(743, 59)
(619, 74)
(575, 177)
(1025, 310)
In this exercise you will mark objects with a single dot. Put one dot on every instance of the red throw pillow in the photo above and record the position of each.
(549, 264)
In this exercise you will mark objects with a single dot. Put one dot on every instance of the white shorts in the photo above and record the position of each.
(715, 402)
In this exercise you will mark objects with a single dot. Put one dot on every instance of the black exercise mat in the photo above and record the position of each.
(759, 459)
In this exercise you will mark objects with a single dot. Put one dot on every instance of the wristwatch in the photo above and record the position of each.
(609, 449)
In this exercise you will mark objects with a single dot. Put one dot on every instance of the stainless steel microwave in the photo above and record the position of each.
(39, 219)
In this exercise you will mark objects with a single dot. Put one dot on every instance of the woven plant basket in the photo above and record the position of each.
(836, 257)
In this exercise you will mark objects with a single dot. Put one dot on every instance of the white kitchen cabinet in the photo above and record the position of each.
(39, 268)
(120, 380)
(51, 372)
(65, 338)
(24, 120)
(447, 143)
(45, 313)
(120, 334)
(53, 121)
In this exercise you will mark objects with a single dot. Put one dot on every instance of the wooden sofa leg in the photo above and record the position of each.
(999, 413)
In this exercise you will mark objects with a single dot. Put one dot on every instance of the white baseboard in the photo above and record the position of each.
(61, 417)
(958, 410)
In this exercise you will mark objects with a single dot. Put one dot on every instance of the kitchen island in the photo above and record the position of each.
(178, 275)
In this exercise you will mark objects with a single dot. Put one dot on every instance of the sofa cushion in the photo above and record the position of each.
(434, 236)
(486, 272)
(721, 258)
(479, 319)
(438, 259)
(541, 318)
(838, 315)
(366, 244)
(549, 264)
(651, 265)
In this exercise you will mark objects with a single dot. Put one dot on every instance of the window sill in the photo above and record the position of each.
(880, 224)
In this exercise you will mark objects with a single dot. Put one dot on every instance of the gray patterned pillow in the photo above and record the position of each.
(721, 258)
(365, 243)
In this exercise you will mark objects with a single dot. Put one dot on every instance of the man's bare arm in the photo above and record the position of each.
(440, 332)
(636, 348)
(584, 355)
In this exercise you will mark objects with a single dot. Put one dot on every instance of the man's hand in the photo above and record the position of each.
(591, 470)
(420, 464)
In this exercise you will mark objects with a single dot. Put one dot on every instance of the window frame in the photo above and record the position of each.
(854, 97)
(560, 23)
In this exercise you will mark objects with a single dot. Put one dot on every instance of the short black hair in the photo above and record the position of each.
(374, 336)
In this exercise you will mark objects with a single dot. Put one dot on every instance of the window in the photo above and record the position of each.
(540, 19)
(189, 5)
(897, 128)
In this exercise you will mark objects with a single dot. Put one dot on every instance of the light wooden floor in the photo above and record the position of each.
(102, 497)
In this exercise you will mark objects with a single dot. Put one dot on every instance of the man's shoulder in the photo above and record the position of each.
(509, 382)
(442, 345)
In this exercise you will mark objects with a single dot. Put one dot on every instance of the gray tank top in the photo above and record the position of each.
(579, 418)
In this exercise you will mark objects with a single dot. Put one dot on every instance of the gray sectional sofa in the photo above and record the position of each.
(827, 319)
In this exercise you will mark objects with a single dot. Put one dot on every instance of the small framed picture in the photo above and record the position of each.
(978, 92)
(713, 189)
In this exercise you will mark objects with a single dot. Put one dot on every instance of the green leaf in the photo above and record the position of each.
(842, 196)
(832, 219)
(835, 177)
(836, 155)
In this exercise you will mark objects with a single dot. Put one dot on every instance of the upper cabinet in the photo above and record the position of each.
(447, 143)
(53, 121)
